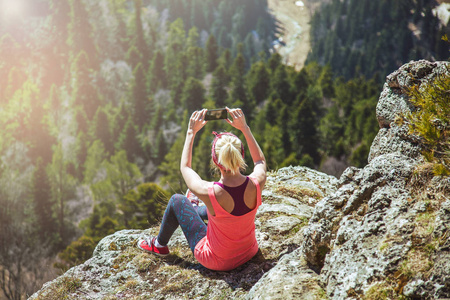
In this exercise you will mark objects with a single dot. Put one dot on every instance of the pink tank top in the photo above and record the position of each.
(230, 240)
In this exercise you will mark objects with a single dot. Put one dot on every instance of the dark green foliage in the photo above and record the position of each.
(144, 206)
(85, 93)
(138, 39)
(431, 121)
(141, 102)
(128, 140)
(193, 94)
(238, 95)
(357, 37)
(258, 82)
(102, 130)
(76, 253)
(80, 33)
(280, 85)
(211, 53)
(157, 74)
(218, 92)
(42, 203)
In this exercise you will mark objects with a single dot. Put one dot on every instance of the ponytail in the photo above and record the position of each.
(228, 153)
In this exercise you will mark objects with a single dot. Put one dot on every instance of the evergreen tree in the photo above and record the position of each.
(218, 92)
(142, 104)
(281, 87)
(96, 154)
(80, 36)
(134, 57)
(193, 94)
(201, 160)
(171, 166)
(128, 141)
(300, 84)
(101, 130)
(211, 54)
(175, 45)
(274, 62)
(84, 92)
(258, 82)
(42, 203)
(62, 184)
(143, 206)
(139, 38)
(196, 55)
(157, 73)
(326, 82)
(238, 88)
(304, 129)
(158, 119)
(160, 147)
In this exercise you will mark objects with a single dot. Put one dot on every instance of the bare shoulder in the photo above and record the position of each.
(260, 178)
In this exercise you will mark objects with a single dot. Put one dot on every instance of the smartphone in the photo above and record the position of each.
(216, 114)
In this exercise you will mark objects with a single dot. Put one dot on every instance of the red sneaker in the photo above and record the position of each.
(148, 245)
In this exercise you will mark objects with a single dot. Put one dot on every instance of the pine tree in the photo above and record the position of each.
(258, 82)
(42, 203)
(80, 37)
(134, 57)
(61, 183)
(218, 92)
(193, 95)
(96, 154)
(139, 38)
(211, 54)
(157, 74)
(196, 55)
(175, 45)
(128, 141)
(170, 167)
(143, 206)
(140, 100)
(84, 92)
(238, 88)
(280, 85)
(160, 147)
(102, 130)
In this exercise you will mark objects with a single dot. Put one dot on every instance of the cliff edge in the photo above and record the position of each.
(380, 232)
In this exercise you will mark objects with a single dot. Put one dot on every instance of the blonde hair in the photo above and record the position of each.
(228, 153)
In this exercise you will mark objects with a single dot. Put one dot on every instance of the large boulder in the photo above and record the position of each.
(386, 230)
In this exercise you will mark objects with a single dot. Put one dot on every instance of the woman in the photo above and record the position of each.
(228, 240)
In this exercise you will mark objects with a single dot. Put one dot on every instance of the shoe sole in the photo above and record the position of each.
(155, 253)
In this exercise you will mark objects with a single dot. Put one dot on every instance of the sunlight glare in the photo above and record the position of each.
(11, 8)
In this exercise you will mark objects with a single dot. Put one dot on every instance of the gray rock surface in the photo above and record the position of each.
(379, 233)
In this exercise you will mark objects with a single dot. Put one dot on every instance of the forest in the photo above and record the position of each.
(95, 96)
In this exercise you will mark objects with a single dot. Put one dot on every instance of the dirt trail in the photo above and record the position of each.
(294, 22)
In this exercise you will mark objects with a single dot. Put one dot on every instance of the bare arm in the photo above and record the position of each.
(260, 168)
(194, 182)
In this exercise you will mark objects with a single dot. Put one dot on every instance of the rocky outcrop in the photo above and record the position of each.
(385, 230)
(119, 270)
(379, 231)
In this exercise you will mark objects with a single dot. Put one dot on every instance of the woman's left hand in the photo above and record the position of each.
(197, 120)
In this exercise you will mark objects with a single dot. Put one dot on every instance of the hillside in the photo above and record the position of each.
(293, 21)
(379, 232)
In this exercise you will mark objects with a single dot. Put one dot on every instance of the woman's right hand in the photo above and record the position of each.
(238, 118)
